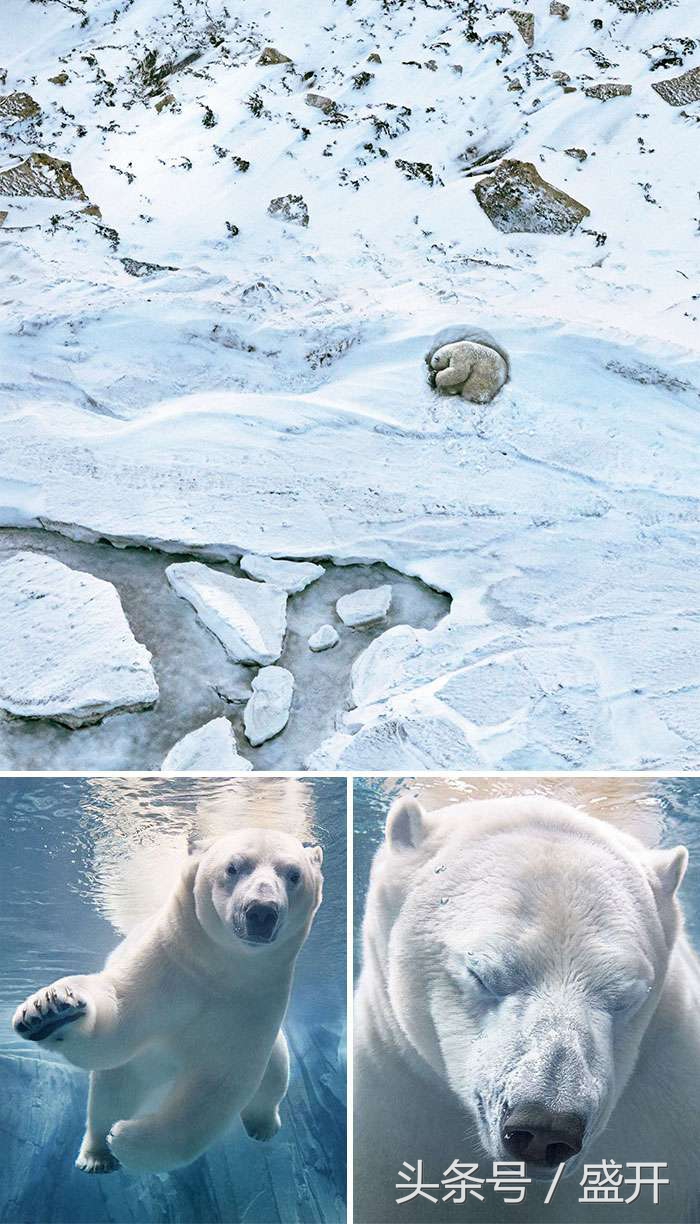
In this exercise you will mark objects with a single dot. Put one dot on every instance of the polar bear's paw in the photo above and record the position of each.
(50, 1009)
(261, 1126)
(96, 1160)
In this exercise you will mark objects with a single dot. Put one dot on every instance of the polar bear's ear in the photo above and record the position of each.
(314, 855)
(405, 825)
(669, 868)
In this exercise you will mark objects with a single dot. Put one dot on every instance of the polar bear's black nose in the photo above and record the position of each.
(533, 1132)
(261, 920)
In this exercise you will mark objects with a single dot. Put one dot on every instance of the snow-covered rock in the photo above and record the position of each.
(289, 576)
(680, 90)
(267, 712)
(364, 607)
(516, 199)
(40, 174)
(324, 638)
(249, 618)
(212, 746)
(68, 653)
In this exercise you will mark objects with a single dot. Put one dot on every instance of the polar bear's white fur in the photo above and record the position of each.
(524, 960)
(181, 1030)
(467, 362)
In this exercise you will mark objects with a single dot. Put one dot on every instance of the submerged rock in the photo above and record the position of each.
(678, 91)
(68, 652)
(267, 712)
(289, 576)
(364, 607)
(516, 199)
(248, 618)
(41, 175)
(212, 746)
(324, 638)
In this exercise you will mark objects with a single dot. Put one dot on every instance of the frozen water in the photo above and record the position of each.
(267, 712)
(197, 681)
(212, 746)
(69, 654)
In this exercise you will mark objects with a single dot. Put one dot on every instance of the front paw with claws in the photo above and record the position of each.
(44, 1013)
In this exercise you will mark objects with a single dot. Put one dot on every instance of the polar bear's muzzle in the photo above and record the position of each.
(260, 922)
(544, 1137)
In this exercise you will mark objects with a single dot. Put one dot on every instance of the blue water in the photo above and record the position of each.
(664, 812)
(66, 877)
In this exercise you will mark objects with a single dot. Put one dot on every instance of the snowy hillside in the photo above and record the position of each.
(215, 318)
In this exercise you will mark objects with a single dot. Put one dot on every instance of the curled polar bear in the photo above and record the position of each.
(527, 995)
(181, 1030)
(468, 362)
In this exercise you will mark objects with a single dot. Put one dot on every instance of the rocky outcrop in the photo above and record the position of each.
(19, 106)
(679, 91)
(290, 208)
(270, 55)
(516, 199)
(606, 90)
(41, 175)
(289, 576)
(267, 712)
(524, 24)
(248, 618)
(68, 653)
(212, 746)
(364, 607)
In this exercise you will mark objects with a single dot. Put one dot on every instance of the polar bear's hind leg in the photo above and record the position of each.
(261, 1116)
(116, 1093)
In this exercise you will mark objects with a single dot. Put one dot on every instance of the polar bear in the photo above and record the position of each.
(527, 995)
(181, 1030)
(467, 361)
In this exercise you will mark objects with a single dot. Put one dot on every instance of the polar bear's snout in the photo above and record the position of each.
(536, 1134)
(261, 921)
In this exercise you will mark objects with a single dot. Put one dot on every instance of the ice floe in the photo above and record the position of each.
(68, 653)
(249, 618)
(267, 712)
(212, 746)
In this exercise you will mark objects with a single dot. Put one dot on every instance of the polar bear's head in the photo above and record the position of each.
(256, 888)
(524, 947)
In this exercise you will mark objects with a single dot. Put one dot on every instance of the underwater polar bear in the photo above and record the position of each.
(528, 995)
(181, 1030)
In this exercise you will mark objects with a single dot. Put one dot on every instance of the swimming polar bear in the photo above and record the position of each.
(527, 995)
(468, 362)
(181, 1030)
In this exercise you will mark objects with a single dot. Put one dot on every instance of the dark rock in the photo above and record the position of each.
(415, 170)
(19, 106)
(678, 91)
(42, 175)
(270, 55)
(525, 25)
(516, 199)
(290, 208)
(608, 89)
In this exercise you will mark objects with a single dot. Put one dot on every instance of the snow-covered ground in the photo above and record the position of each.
(263, 389)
